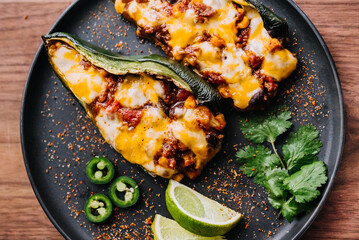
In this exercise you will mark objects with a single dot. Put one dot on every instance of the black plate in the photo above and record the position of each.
(57, 138)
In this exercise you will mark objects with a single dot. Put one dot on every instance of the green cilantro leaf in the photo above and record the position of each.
(304, 183)
(291, 208)
(277, 194)
(256, 160)
(274, 182)
(292, 184)
(251, 158)
(301, 148)
(266, 128)
(277, 203)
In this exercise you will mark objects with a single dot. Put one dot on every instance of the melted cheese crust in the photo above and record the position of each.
(139, 144)
(230, 61)
(85, 84)
(142, 89)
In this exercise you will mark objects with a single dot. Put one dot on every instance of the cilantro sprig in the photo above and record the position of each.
(292, 181)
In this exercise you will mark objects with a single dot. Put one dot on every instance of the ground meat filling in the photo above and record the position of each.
(255, 61)
(214, 78)
(203, 11)
(106, 98)
(167, 8)
(159, 34)
(189, 56)
(182, 5)
(173, 96)
(243, 35)
(269, 84)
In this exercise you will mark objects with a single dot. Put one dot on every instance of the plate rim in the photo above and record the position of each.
(338, 158)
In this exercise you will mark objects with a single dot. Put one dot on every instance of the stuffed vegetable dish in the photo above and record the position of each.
(154, 111)
(235, 45)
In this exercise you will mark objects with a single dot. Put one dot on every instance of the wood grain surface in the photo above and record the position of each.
(23, 21)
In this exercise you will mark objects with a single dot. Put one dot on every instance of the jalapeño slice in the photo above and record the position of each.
(100, 170)
(128, 188)
(98, 208)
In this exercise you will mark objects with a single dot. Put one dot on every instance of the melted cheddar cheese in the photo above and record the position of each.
(85, 84)
(186, 130)
(142, 89)
(231, 62)
(138, 144)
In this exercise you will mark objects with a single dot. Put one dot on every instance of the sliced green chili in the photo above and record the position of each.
(100, 170)
(128, 188)
(98, 208)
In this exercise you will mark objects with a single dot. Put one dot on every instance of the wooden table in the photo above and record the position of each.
(23, 21)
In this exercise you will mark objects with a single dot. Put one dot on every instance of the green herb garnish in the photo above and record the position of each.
(292, 181)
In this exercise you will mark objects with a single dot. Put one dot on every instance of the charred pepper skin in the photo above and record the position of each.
(100, 170)
(98, 208)
(129, 187)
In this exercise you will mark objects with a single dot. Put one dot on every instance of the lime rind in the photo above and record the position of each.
(167, 229)
(218, 219)
(215, 213)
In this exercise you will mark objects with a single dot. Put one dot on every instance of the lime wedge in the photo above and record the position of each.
(197, 213)
(167, 229)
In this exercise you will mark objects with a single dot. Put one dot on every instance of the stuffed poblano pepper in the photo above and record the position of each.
(236, 45)
(152, 110)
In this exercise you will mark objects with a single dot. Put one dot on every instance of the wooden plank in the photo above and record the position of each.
(338, 22)
(23, 218)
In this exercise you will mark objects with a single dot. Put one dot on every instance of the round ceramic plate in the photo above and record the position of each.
(58, 139)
